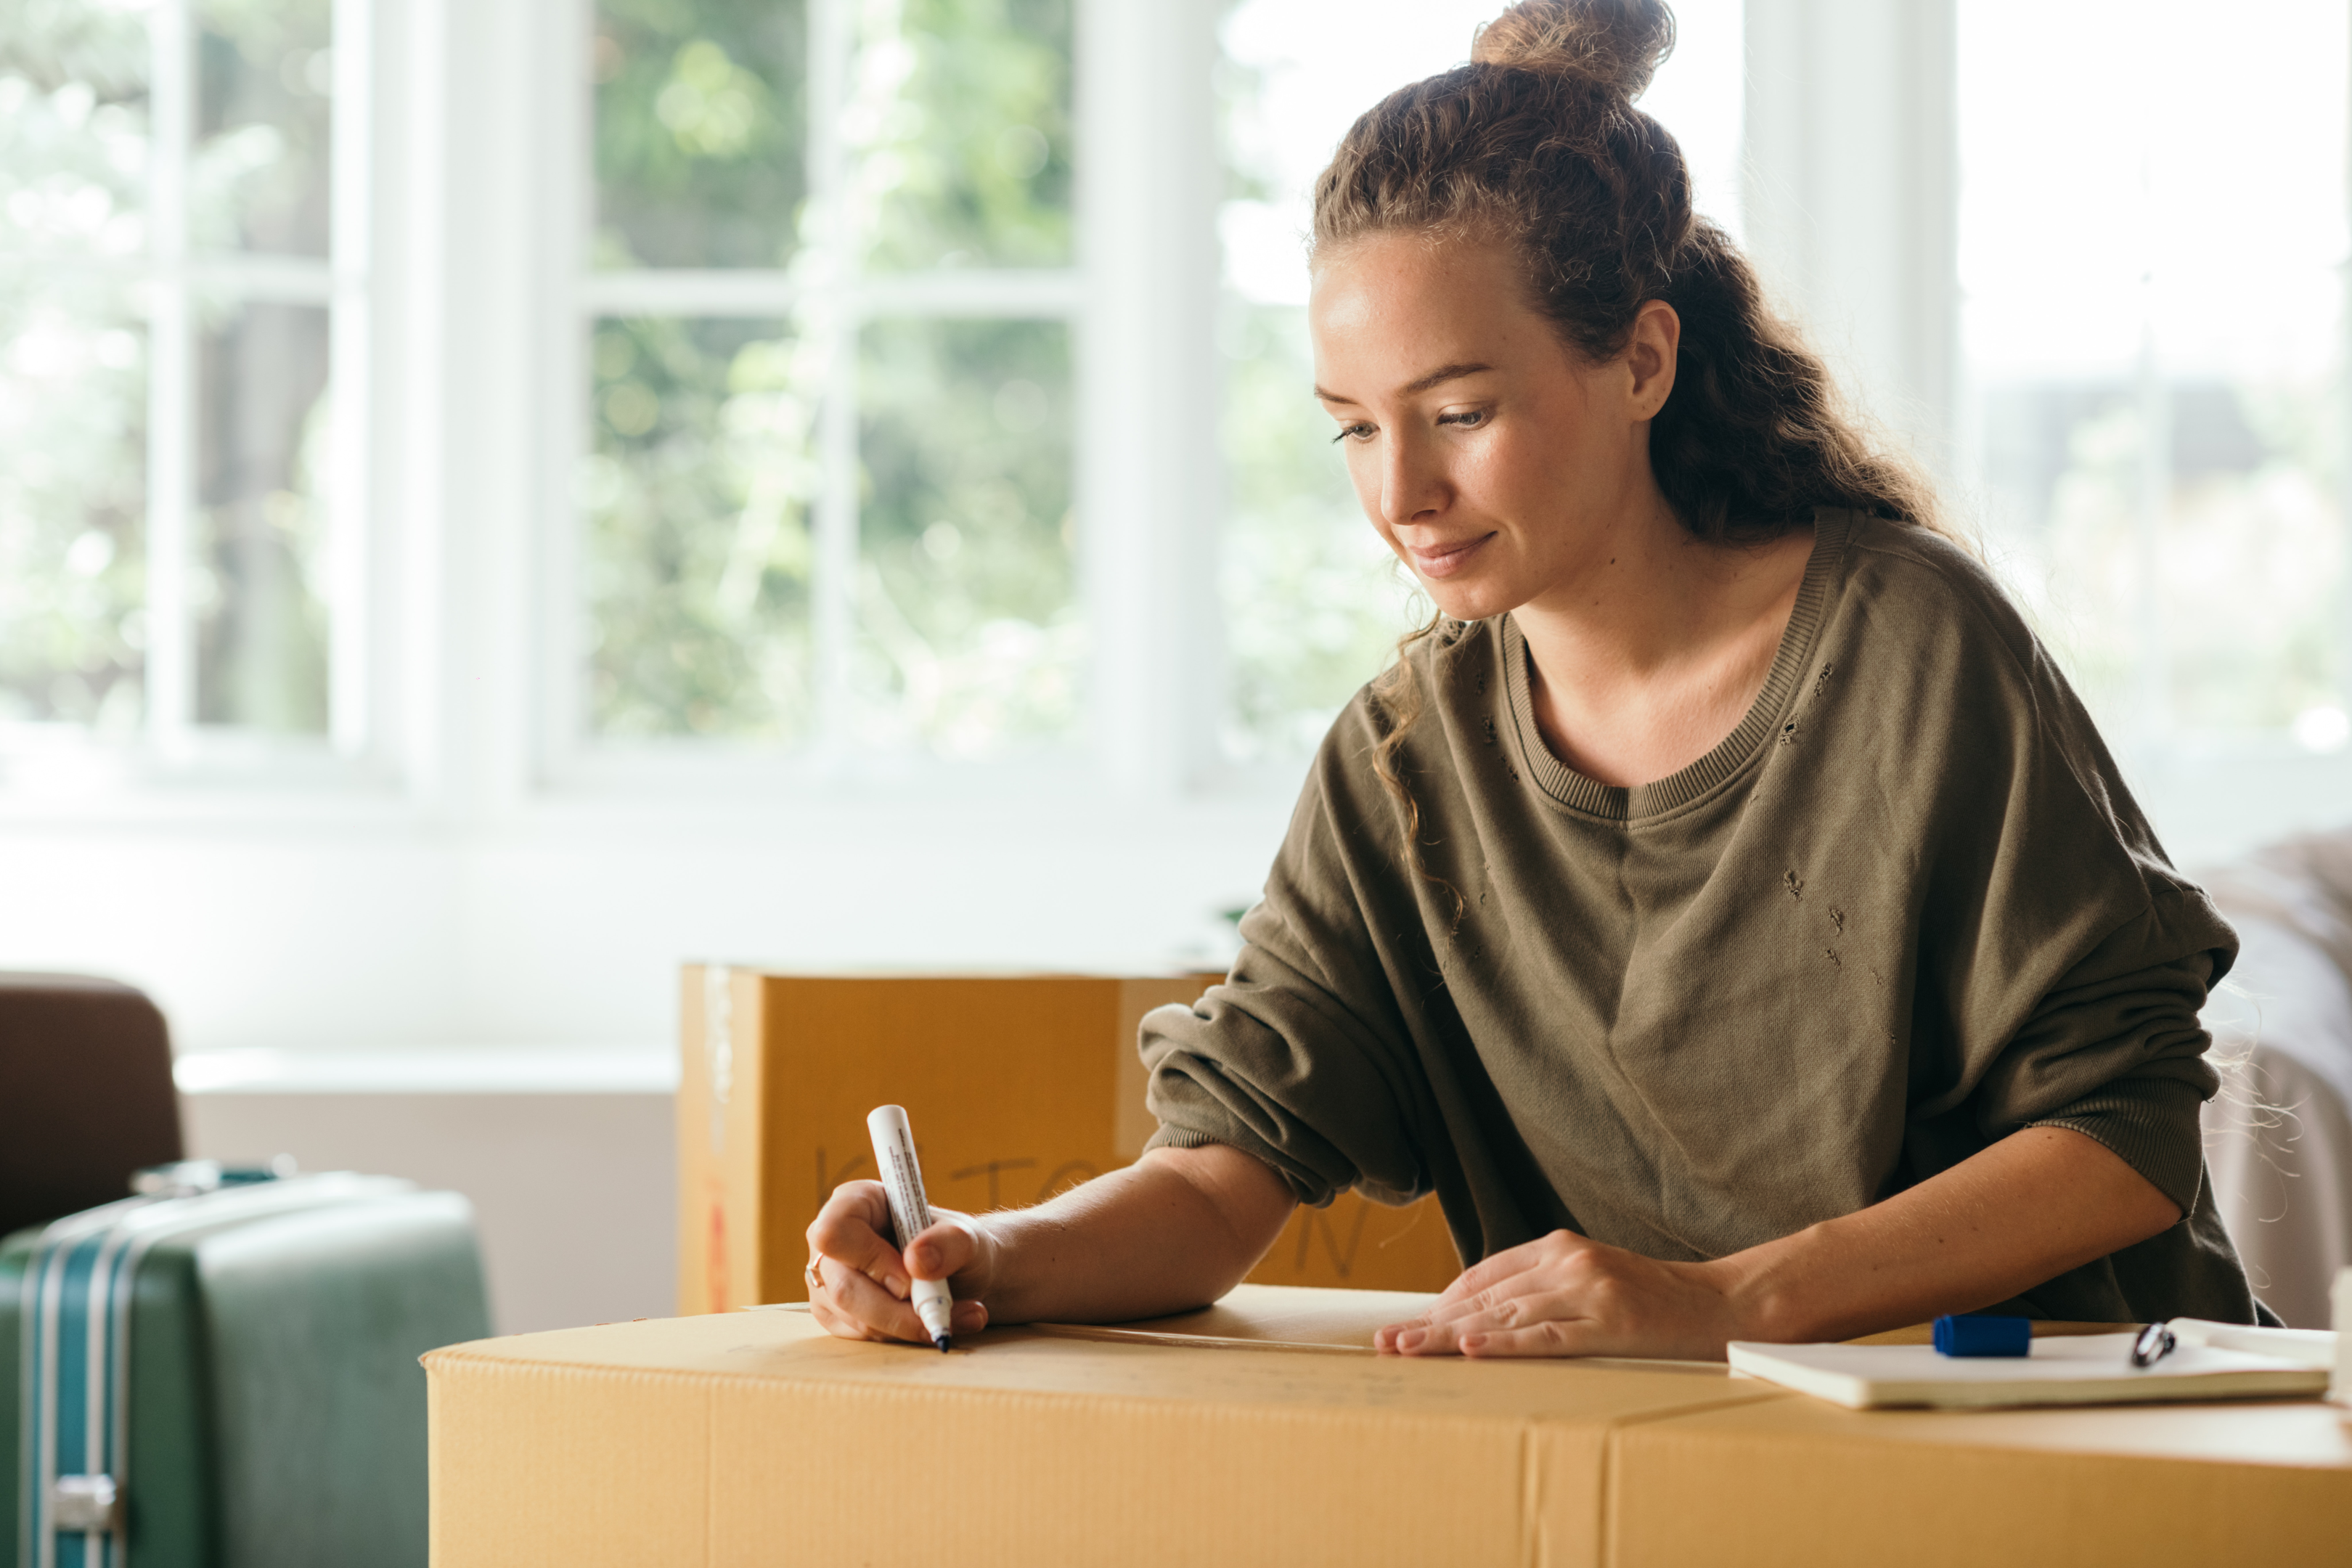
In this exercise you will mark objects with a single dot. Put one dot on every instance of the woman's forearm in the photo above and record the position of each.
(2032, 1206)
(2029, 1207)
(1175, 1230)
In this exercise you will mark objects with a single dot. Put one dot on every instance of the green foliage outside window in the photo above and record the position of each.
(73, 365)
(700, 132)
(966, 594)
(259, 171)
(1314, 602)
(961, 122)
(699, 489)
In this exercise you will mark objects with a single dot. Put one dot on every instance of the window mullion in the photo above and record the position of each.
(825, 315)
(564, 635)
(170, 414)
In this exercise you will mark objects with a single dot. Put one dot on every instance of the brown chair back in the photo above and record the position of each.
(86, 1094)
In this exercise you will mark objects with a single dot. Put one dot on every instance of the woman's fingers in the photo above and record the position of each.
(1509, 1273)
(861, 1308)
(849, 1229)
(944, 1251)
(866, 1282)
(1488, 1272)
(1569, 1295)
(1552, 1337)
(1451, 1335)
(1510, 1287)
(1479, 1292)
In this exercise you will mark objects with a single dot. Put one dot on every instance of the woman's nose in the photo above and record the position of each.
(1411, 484)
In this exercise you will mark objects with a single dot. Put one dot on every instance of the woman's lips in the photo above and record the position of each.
(1445, 560)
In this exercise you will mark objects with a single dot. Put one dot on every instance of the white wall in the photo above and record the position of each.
(574, 1194)
(565, 927)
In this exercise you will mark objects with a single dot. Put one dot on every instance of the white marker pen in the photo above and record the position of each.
(910, 1212)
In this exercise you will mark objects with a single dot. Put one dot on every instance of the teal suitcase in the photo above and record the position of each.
(223, 1374)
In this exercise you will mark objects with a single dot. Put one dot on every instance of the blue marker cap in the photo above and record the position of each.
(1975, 1335)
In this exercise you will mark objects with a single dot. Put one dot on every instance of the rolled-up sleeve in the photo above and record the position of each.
(1301, 1058)
(2116, 1051)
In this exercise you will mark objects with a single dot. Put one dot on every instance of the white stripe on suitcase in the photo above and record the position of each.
(43, 1299)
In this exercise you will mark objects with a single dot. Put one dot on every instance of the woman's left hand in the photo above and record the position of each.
(1569, 1295)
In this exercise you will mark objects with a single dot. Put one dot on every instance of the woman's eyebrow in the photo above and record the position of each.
(1437, 377)
(1445, 373)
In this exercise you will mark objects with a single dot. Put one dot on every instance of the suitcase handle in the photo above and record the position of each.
(186, 1178)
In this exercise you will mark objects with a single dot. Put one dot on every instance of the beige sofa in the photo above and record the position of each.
(2278, 1138)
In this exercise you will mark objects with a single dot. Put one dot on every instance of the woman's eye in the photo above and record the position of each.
(1359, 432)
(1468, 419)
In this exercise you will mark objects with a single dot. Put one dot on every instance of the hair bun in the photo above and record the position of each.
(1615, 45)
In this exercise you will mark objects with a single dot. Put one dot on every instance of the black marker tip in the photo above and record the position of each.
(941, 1341)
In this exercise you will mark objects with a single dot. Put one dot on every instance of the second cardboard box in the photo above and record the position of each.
(1018, 1087)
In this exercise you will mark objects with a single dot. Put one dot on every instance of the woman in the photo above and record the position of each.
(1724, 905)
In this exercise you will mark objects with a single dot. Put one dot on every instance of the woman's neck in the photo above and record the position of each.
(1649, 654)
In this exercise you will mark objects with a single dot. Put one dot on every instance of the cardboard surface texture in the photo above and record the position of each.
(753, 1438)
(1017, 1087)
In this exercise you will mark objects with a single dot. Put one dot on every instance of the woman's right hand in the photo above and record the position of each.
(866, 1280)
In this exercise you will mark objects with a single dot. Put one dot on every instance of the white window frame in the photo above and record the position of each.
(1143, 386)
(459, 385)
(172, 279)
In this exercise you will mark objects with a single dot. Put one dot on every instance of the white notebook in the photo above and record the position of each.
(2211, 1362)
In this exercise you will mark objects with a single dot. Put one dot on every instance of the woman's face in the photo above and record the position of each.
(1498, 465)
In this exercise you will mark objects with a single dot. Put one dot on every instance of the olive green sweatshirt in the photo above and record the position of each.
(1905, 909)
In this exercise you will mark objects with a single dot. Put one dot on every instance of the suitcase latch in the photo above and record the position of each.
(85, 1503)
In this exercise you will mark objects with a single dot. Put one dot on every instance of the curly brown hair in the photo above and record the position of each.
(1535, 144)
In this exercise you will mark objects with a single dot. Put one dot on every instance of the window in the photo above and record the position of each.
(835, 474)
(1313, 601)
(825, 483)
(2152, 260)
(180, 293)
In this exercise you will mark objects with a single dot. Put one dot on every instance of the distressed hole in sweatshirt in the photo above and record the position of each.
(1837, 919)
(1788, 734)
(1795, 884)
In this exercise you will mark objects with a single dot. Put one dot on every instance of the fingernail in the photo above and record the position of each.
(896, 1286)
(1473, 1342)
(1411, 1338)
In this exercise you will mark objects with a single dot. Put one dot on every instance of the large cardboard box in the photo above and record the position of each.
(2127, 1486)
(1017, 1087)
(1263, 1431)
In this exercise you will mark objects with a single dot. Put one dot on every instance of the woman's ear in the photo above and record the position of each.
(1650, 355)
